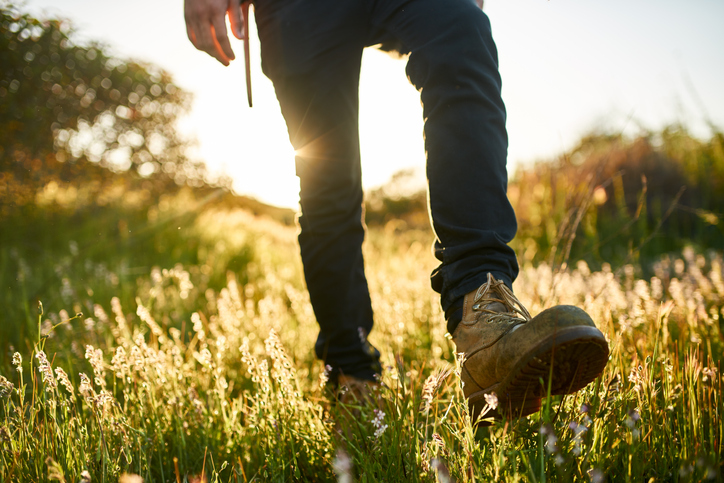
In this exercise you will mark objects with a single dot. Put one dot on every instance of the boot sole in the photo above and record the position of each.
(567, 361)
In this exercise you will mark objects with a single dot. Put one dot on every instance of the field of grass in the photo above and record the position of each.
(189, 372)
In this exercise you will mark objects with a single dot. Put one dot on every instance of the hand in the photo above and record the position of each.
(480, 3)
(206, 26)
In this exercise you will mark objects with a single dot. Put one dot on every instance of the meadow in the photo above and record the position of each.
(200, 367)
(155, 327)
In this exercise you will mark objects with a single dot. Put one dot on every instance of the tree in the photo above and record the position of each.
(72, 113)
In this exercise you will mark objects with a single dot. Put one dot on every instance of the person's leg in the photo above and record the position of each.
(453, 62)
(311, 50)
(507, 352)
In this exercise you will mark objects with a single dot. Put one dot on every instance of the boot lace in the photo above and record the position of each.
(488, 293)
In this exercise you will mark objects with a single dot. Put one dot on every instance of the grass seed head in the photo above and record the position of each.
(63, 380)
(18, 362)
(6, 387)
(45, 370)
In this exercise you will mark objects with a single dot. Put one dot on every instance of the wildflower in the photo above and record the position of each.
(342, 466)
(708, 373)
(630, 422)
(686, 471)
(45, 370)
(491, 400)
(443, 474)
(578, 432)
(6, 387)
(18, 362)
(378, 423)
(551, 444)
(63, 380)
(596, 475)
(668, 368)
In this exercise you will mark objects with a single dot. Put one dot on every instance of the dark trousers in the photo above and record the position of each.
(311, 50)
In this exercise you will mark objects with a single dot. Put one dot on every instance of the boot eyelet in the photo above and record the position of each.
(476, 307)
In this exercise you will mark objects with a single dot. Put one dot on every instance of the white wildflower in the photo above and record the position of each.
(551, 444)
(596, 475)
(443, 474)
(491, 400)
(18, 362)
(378, 423)
(708, 373)
(342, 466)
(578, 431)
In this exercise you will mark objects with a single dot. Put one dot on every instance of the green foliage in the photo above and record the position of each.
(75, 256)
(608, 200)
(190, 354)
(223, 379)
(616, 200)
(70, 114)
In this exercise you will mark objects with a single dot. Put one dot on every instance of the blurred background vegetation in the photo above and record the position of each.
(96, 188)
(610, 199)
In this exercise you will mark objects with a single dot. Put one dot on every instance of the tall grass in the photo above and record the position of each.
(179, 378)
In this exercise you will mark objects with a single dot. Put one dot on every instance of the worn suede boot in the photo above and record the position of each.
(519, 358)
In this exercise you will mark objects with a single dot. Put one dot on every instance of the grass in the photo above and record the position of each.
(187, 372)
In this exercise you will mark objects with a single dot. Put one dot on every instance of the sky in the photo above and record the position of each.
(569, 67)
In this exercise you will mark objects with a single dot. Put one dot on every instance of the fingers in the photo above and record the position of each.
(221, 39)
(236, 19)
(206, 28)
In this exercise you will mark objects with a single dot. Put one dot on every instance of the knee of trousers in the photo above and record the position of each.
(331, 220)
(461, 50)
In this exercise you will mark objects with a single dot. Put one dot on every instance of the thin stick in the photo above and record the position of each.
(247, 63)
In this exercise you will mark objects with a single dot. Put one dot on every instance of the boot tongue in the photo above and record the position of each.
(496, 307)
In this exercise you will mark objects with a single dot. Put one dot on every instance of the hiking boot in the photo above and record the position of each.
(520, 358)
